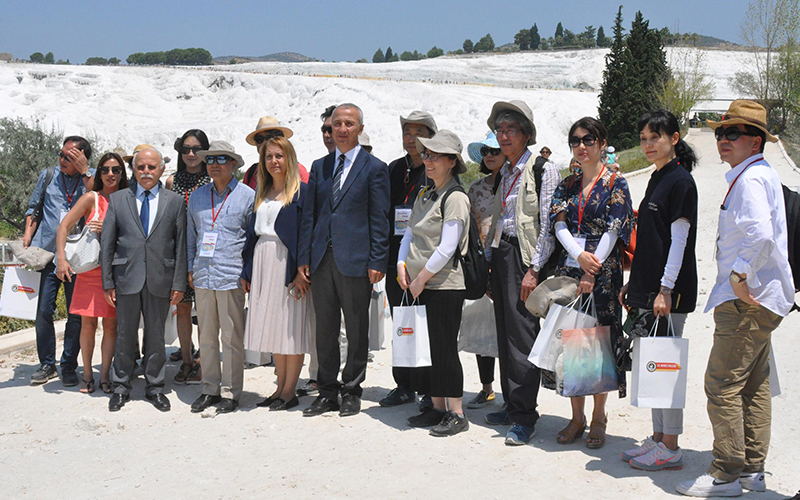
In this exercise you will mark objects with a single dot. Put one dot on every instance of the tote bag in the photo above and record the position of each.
(548, 344)
(20, 296)
(83, 250)
(410, 342)
(588, 362)
(659, 370)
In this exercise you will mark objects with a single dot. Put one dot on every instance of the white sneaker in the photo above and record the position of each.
(659, 458)
(753, 481)
(645, 448)
(709, 486)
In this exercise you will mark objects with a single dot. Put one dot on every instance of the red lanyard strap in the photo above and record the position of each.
(582, 205)
(69, 195)
(215, 215)
(510, 188)
(722, 207)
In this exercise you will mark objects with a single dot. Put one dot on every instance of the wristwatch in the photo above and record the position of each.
(88, 173)
(665, 290)
(737, 278)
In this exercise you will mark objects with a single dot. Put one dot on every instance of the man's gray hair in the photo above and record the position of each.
(511, 116)
(350, 105)
(160, 156)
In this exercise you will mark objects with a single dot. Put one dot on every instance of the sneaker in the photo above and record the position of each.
(398, 396)
(310, 388)
(43, 374)
(426, 403)
(753, 481)
(709, 486)
(498, 418)
(482, 399)
(69, 378)
(519, 435)
(645, 448)
(189, 374)
(427, 418)
(450, 425)
(659, 458)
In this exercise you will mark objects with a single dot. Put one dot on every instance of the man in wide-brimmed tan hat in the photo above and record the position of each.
(753, 292)
(267, 128)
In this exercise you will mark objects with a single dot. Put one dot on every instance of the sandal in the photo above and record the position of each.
(571, 432)
(87, 386)
(107, 387)
(176, 356)
(596, 438)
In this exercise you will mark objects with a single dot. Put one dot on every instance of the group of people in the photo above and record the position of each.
(308, 246)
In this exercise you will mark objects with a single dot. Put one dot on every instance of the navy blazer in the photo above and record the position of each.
(357, 226)
(287, 226)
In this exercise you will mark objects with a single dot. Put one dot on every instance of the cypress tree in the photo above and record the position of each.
(535, 38)
(612, 90)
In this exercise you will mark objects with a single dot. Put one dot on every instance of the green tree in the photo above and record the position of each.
(113, 61)
(389, 54)
(135, 58)
(570, 39)
(37, 57)
(688, 84)
(523, 39)
(485, 44)
(406, 56)
(602, 39)
(535, 37)
(435, 52)
(49, 58)
(232, 61)
(586, 39)
(378, 57)
(559, 31)
(96, 61)
(612, 90)
(468, 46)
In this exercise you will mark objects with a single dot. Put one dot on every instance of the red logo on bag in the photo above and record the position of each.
(404, 331)
(652, 366)
(23, 289)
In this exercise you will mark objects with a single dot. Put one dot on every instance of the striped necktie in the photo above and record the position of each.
(337, 178)
(144, 215)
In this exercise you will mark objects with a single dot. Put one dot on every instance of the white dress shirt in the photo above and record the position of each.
(349, 158)
(153, 206)
(752, 238)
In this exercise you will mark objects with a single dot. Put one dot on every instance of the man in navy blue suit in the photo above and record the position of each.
(343, 251)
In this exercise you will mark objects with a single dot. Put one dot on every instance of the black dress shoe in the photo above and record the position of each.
(203, 402)
(117, 401)
(320, 406)
(266, 402)
(351, 405)
(227, 405)
(69, 378)
(160, 401)
(281, 405)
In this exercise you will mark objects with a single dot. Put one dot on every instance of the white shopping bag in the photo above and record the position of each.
(171, 326)
(378, 315)
(774, 383)
(548, 345)
(659, 370)
(478, 332)
(20, 296)
(410, 344)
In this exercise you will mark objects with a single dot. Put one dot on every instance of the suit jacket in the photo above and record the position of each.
(287, 226)
(130, 260)
(357, 226)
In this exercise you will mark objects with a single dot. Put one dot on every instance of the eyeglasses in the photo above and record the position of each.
(588, 140)
(487, 151)
(326, 129)
(142, 168)
(186, 149)
(114, 170)
(730, 133)
(64, 157)
(219, 160)
(262, 138)
(508, 132)
(431, 156)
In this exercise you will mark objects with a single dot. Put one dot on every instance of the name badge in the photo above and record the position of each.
(401, 218)
(581, 241)
(208, 245)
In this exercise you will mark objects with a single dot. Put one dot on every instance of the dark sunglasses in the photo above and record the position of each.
(262, 138)
(114, 170)
(64, 157)
(588, 140)
(487, 151)
(730, 133)
(326, 129)
(186, 150)
(219, 160)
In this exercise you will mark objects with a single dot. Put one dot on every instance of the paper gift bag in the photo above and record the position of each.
(659, 371)
(548, 343)
(588, 362)
(774, 383)
(20, 295)
(478, 331)
(410, 344)
(171, 326)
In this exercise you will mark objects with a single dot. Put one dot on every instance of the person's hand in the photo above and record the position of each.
(662, 305)
(111, 297)
(743, 292)
(245, 285)
(589, 263)
(375, 276)
(305, 271)
(300, 286)
(623, 294)
(529, 282)
(586, 285)
(402, 276)
(78, 160)
(64, 271)
(175, 297)
(416, 287)
(26, 241)
(95, 225)
(190, 279)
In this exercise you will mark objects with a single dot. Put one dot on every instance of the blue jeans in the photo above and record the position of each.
(46, 332)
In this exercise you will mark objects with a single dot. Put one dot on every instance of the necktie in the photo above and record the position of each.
(337, 178)
(144, 215)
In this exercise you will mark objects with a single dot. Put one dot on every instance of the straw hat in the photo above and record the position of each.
(444, 142)
(221, 148)
(474, 148)
(420, 118)
(140, 147)
(744, 112)
(518, 106)
(267, 123)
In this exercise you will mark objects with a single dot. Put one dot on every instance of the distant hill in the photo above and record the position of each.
(277, 57)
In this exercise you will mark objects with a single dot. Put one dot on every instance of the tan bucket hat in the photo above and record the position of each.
(559, 290)
(420, 118)
(744, 112)
(444, 142)
(221, 148)
(518, 106)
(267, 123)
(363, 141)
(138, 148)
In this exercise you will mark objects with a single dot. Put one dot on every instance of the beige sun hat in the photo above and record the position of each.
(138, 148)
(267, 123)
(420, 118)
(518, 106)
(559, 290)
(363, 141)
(744, 112)
(221, 148)
(444, 142)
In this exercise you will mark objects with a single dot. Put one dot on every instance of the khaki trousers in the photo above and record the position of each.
(221, 311)
(737, 388)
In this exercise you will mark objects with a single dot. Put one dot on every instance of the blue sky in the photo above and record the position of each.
(338, 30)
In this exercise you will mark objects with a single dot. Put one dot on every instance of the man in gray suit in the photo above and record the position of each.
(144, 271)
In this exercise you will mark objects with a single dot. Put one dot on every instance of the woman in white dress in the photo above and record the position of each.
(281, 314)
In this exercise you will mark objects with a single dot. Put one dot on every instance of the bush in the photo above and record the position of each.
(631, 160)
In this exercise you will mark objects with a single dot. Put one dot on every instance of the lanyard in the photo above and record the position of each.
(215, 215)
(722, 207)
(405, 202)
(69, 195)
(509, 189)
(582, 206)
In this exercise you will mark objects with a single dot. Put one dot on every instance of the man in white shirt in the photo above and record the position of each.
(753, 292)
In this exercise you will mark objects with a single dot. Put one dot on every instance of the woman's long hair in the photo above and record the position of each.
(662, 122)
(123, 177)
(265, 181)
(197, 134)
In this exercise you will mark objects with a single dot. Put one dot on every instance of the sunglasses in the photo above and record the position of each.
(64, 157)
(186, 150)
(114, 170)
(219, 160)
(326, 129)
(487, 151)
(730, 133)
(262, 138)
(588, 140)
